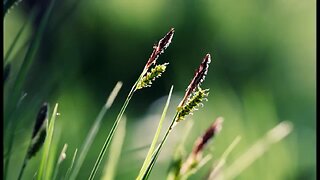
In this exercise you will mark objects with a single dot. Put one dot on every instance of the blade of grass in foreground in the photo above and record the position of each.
(115, 151)
(156, 137)
(113, 128)
(142, 82)
(94, 130)
(52, 155)
(47, 144)
(155, 154)
(274, 135)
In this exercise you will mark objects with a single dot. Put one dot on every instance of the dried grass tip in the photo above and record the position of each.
(192, 103)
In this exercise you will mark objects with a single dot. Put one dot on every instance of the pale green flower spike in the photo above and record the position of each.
(193, 102)
(155, 72)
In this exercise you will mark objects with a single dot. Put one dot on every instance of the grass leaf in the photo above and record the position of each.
(156, 153)
(156, 137)
(47, 144)
(112, 131)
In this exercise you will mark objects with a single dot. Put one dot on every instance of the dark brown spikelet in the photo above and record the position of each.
(198, 78)
(196, 155)
(160, 47)
(39, 131)
(42, 116)
(209, 134)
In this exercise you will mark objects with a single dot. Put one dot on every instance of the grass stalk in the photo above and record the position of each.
(114, 127)
(156, 153)
(25, 161)
(59, 161)
(71, 165)
(156, 136)
(94, 130)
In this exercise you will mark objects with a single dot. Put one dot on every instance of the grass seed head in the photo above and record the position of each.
(39, 131)
(192, 103)
(160, 47)
(151, 76)
(198, 78)
(195, 157)
(214, 129)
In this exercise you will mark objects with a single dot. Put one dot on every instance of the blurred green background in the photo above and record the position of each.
(262, 72)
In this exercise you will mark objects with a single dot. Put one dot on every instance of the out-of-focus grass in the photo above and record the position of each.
(262, 72)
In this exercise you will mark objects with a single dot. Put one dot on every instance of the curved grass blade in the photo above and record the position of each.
(156, 137)
(156, 153)
(111, 133)
(94, 130)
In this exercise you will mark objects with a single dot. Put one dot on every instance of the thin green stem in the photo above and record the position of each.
(111, 133)
(23, 167)
(72, 162)
(93, 131)
(156, 136)
(157, 151)
(114, 127)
